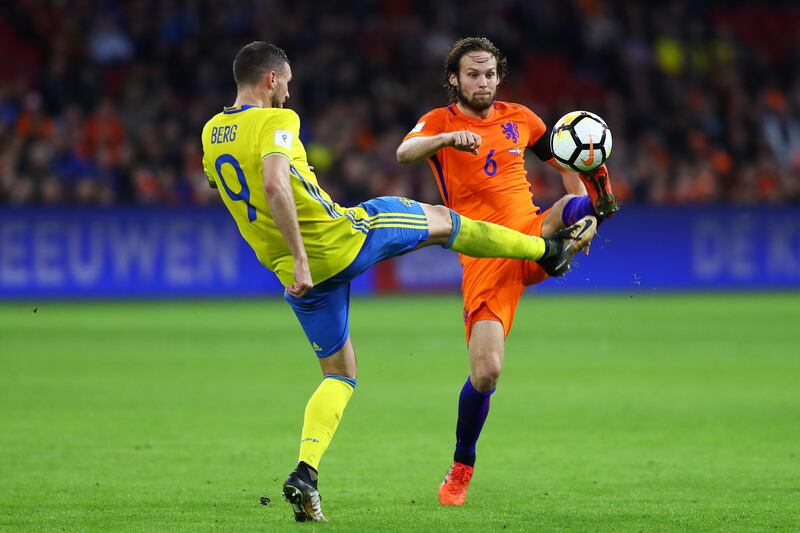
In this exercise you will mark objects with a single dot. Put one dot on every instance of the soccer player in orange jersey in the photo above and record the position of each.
(475, 147)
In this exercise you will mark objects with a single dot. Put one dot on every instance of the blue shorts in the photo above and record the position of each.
(397, 226)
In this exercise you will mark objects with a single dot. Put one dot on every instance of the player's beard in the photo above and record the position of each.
(276, 101)
(476, 104)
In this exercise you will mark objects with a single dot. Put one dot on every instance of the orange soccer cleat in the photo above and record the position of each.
(598, 186)
(453, 490)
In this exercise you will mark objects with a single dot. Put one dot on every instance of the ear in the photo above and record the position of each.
(453, 80)
(270, 79)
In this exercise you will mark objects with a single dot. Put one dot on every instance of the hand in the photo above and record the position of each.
(466, 141)
(302, 279)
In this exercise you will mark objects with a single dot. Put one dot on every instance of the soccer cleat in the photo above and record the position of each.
(569, 241)
(598, 185)
(304, 498)
(453, 490)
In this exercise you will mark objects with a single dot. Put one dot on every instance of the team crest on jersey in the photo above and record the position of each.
(406, 202)
(511, 130)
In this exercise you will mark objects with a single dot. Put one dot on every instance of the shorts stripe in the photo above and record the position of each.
(389, 220)
(359, 225)
(406, 226)
(398, 215)
(399, 219)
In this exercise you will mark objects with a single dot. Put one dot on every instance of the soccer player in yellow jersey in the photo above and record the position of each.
(252, 154)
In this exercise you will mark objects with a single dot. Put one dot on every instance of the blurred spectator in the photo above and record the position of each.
(781, 128)
(108, 43)
(103, 103)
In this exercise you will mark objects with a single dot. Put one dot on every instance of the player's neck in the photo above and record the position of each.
(247, 96)
(471, 113)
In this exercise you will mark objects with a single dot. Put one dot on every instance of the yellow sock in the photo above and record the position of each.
(484, 239)
(323, 412)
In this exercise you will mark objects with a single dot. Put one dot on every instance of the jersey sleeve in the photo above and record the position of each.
(279, 133)
(431, 123)
(211, 181)
(203, 138)
(539, 140)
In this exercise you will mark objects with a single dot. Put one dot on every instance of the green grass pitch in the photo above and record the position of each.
(613, 413)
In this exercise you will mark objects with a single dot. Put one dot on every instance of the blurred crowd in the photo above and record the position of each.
(103, 102)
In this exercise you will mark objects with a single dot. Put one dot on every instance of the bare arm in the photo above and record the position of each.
(418, 149)
(572, 183)
(278, 191)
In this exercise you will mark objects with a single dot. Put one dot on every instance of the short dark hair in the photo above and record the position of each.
(256, 59)
(460, 48)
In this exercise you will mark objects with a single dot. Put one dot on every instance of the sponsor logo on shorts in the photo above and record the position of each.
(316, 347)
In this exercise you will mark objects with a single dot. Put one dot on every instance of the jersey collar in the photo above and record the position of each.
(453, 108)
(230, 110)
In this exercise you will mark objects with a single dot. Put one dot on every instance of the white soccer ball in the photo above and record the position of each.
(580, 141)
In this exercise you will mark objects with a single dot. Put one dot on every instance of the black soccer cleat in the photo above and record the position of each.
(304, 499)
(568, 242)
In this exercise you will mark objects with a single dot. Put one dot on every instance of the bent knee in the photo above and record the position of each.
(437, 214)
(486, 377)
(559, 206)
(488, 372)
(554, 219)
(440, 223)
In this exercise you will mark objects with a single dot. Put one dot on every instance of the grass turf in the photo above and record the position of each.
(645, 413)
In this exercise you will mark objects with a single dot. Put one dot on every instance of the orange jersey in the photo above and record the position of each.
(492, 185)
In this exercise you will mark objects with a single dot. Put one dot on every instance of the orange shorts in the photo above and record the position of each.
(492, 287)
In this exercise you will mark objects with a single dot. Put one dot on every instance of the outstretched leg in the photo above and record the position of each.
(480, 239)
(484, 239)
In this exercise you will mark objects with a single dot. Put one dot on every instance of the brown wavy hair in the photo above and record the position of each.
(452, 62)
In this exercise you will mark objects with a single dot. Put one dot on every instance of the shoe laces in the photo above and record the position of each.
(458, 474)
(317, 505)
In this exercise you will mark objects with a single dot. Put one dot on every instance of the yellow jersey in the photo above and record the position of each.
(235, 142)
